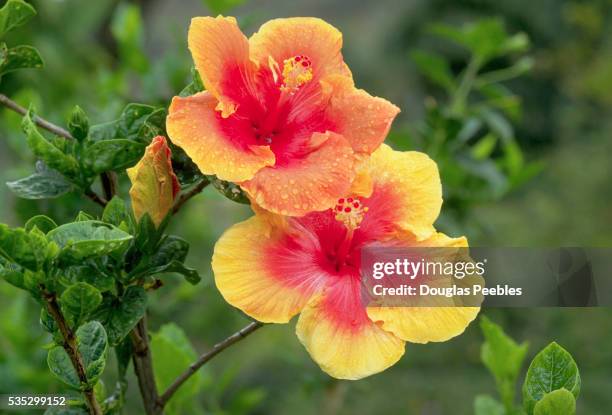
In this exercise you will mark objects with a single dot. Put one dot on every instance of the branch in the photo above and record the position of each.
(203, 359)
(57, 130)
(71, 347)
(143, 366)
(42, 123)
(96, 197)
(183, 198)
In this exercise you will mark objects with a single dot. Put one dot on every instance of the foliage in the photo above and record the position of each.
(551, 386)
(468, 129)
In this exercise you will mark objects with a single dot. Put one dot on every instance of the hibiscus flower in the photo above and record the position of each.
(274, 267)
(280, 116)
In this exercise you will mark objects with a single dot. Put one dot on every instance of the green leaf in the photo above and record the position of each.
(124, 352)
(90, 272)
(15, 246)
(484, 148)
(230, 190)
(42, 222)
(129, 125)
(12, 273)
(19, 57)
(93, 345)
(83, 217)
(486, 405)
(553, 368)
(558, 402)
(46, 151)
(190, 274)
(498, 124)
(485, 38)
(172, 248)
(503, 357)
(61, 366)
(90, 238)
(172, 352)
(116, 155)
(44, 184)
(120, 315)
(78, 123)
(127, 29)
(435, 68)
(116, 212)
(222, 6)
(196, 85)
(147, 234)
(47, 322)
(78, 301)
(14, 14)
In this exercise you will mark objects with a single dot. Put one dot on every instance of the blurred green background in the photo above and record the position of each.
(104, 54)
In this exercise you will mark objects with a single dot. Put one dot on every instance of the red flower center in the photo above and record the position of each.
(279, 107)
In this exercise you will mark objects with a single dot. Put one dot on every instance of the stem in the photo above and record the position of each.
(57, 130)
(109, 184)
(467, 81)
(203, 359)
(42, 123)
(183, 198)
(96, 197)
(71, 347)
(143, 366)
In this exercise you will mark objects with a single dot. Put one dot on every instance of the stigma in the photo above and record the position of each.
(350, 211)
(297, 71)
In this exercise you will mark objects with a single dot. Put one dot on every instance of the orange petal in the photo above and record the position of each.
(427, 324)
(340, 337)
(311, 183)
(221, 55)
(407, 193)
(154, 184)
(265, 272)
(282, 39)
(365, 120)
(194, 125)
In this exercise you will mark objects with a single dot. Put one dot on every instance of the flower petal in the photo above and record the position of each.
(306, 183)
(195, 126)
(407, 194)
(264, 271)
(282, 39)
(340, 337)
(426, 324)
(154, 184)
(221, 55)
(365, 120)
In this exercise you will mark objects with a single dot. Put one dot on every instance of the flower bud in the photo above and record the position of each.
(78, 123)
(154, 184)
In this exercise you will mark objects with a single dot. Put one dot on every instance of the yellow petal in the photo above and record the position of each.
(426, 324)
(260, 270)
(342, 340)
(281, 39)
(410, 181)
(154, 184)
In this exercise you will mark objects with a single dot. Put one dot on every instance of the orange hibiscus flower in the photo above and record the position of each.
(281, 115)
(274, 267)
